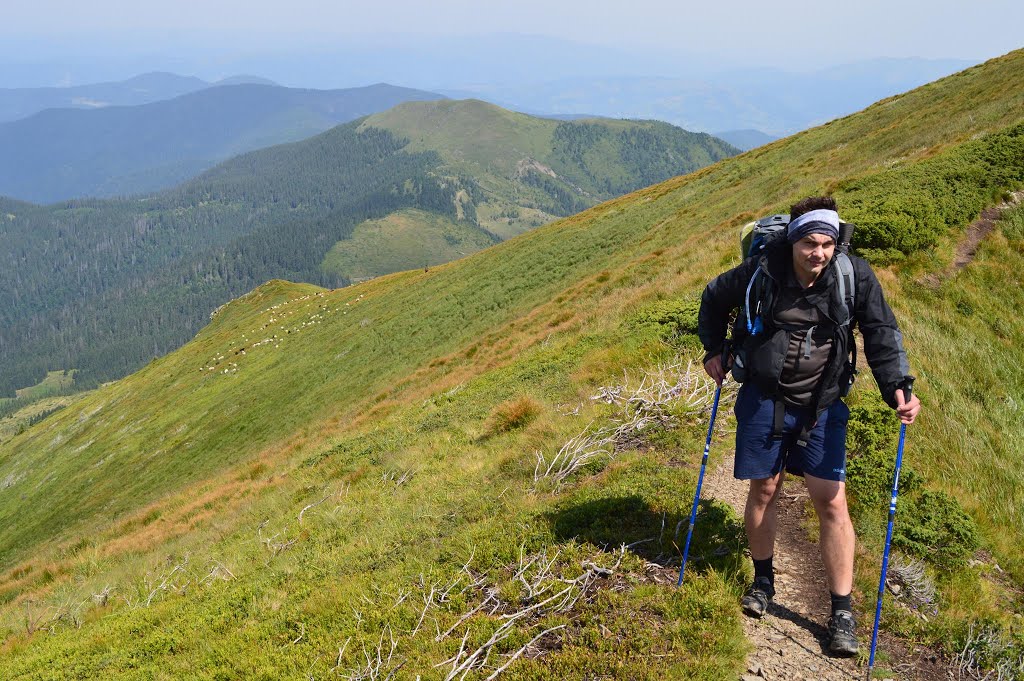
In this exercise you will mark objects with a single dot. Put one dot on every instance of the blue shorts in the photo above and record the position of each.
(760, 456)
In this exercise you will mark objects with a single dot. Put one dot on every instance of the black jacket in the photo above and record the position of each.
(765, 353)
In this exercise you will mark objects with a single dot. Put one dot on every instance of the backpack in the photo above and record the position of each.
(755, 237)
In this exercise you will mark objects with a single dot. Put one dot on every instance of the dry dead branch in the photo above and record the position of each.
(102, 597)
(663, 394)
(377, 661)
(547, 591)
(33, 619)
(573, 455)
(341, 653)
(273, 544)
(519, 652)
(397, 478)
(313, 505)
(400, 597)
(909, 581)
(167, 582)
(219, 571)
(983, 645)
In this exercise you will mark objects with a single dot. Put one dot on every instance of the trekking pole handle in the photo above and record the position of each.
(908, 388)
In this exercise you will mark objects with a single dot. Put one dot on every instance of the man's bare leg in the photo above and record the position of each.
(837, 547)
(760, 516)
(837, 538)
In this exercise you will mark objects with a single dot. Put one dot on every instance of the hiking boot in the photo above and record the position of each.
(841, 637)
(759, 595)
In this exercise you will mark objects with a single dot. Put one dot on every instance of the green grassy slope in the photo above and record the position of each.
(401, 241)
(482, 133)
(410, 410)
(85, 271)
(532, 169)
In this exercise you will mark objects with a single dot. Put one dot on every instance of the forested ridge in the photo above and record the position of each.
(610, 161)
(103, 286)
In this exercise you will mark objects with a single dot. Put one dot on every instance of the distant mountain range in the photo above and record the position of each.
(18, 103)
(745, 139)
(53, 156)
(102, 286)
(117, 151)
(772, 101)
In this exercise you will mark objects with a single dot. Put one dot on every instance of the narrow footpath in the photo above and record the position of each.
(789, 643)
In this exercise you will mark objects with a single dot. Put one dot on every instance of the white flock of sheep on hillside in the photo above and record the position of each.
(277, 316)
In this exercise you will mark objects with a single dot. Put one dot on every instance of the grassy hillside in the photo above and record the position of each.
(291, 493)
(61, 154)
(400, 241)
(31, 405)
(104, 286)
(533, 169)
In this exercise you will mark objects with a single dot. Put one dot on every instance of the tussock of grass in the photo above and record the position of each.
(511, 415)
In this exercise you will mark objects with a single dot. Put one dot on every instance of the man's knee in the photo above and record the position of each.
(829, 498)
(762, 492)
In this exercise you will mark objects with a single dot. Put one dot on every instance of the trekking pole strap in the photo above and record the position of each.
(778, 418)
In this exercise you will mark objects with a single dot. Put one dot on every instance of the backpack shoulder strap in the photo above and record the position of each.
(847, 282)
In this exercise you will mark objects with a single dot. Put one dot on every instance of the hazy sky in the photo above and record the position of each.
(932, 28)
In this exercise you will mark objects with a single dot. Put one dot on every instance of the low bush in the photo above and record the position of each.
(930, 524)
(674, 320)
(907, 209)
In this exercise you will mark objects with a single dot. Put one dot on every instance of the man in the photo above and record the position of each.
(792, 356)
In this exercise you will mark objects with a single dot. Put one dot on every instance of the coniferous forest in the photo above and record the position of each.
(103, 286)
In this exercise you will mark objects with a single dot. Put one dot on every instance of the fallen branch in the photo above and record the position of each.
(313, 505)
(519, 652)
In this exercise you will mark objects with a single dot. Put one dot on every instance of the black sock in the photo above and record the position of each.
(763, 568)
(841, 603)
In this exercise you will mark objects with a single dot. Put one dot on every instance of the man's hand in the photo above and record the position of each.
(907, 411)
(714, 369)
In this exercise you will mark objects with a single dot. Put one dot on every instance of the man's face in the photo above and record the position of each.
(810, 256)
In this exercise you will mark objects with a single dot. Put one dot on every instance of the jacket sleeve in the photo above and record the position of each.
(723, 295)
(883, 342)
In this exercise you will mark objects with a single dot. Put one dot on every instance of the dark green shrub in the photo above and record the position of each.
(907, 209)
(935, 527)
(929, 524)
(674, 320)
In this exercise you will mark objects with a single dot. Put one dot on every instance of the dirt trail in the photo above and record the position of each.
(975, 234)
(790, 641)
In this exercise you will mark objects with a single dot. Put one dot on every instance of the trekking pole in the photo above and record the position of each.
(908, 389)
(703, 466)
